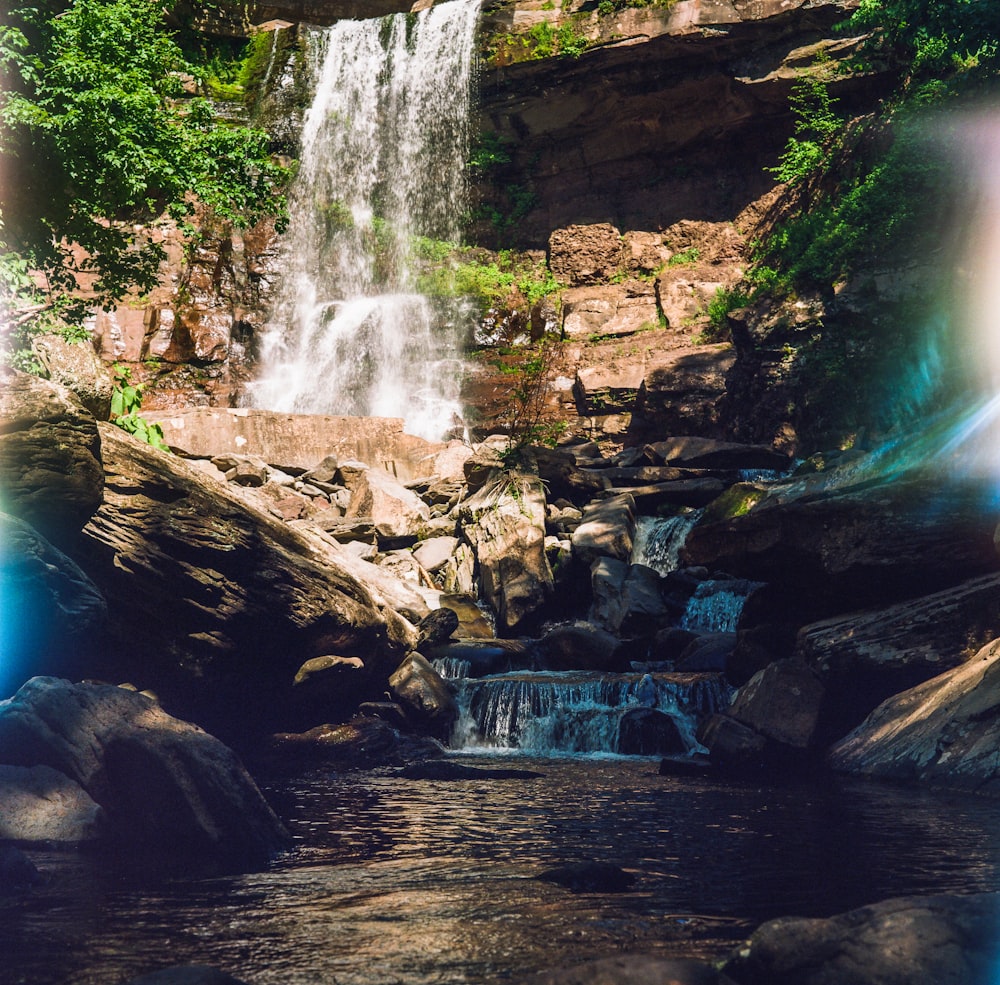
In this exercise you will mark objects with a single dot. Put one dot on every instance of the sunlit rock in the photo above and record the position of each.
(41, 804)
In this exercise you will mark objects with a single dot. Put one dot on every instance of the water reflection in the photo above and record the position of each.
(422, 882)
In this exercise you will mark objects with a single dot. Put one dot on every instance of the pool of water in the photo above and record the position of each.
(407, 881)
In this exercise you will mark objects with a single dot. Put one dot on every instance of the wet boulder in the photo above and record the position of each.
(580, 646)
(945, 731)
(589, 877)
(783, 702)
(166, 787)
(916, 940)
(424, 696)
(50, 456)
(365, 742)
(649, 732)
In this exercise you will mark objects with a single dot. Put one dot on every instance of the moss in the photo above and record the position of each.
(737, 500)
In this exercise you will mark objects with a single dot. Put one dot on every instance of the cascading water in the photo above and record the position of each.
(716, 606)
(384, 147)
(658, 540)
(548, 713)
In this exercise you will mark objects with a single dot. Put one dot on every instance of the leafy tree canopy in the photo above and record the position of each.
(96, 139)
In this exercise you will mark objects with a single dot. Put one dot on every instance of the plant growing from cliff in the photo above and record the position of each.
(523, 413)
(99, 144)
(126, 402)
(816, 125)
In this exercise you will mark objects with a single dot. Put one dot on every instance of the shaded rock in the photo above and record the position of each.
(607, 586)
(732, 745)
(855, 545)
(757, 647)
(558, 469)
(187, 974)
(633, 969)
(695, 765)
(706, 453)
(606, 530)
(707, 653)
(53, 614)
(783, 703)
(670, 643)
(456, 577)
(362, 743)
(945, 731)
(589, 877)
(581, 646)
(586, 254)
(50, 456)
(648, 732)
(249, 597)
(446, 769)
(165, 785)
(316, 670)
(18, 874)
(437, 628)
(388, 711)
(424, 696)
(76, 366)
(608, 388)
(679, 492)
(916, 940)
(506, 526)
(683, 394)
(42, 804)
(865, 657)
(644, 609)
(482, 657)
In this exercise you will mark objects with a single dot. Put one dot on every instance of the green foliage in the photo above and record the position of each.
(815, 127)
(126, 402)
(96, 138)
(541, 40)
(459, 271)
(489, 150)
(689, 255)
(524, 410)
(724, 300)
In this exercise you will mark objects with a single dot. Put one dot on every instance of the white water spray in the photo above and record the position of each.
(384, 146)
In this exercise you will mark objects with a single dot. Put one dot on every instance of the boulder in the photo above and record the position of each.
(609, 388)
(361, 743)
(437, 628)
(606, 530)
(581, 646)
(708, 652)
(607, 586)
(633, 969)
(915, 940)
(433, 554)
(482, 657)
(394, 510)
(649, 732)
(643, 608)
(558, 469)
(227, 601)
(865, 657)
(505, 524)
(850, 545)
(609, 309)
(733, 746)
(707, 453)
(50, 456)
(53, 615)
(424, 696)
(321, 669)
(586, 254)
(41, 804)
(76, 366)
(299, 442)
(167, 788)
(945, 731)
(683, 393)
(472, 623)
(783, 703)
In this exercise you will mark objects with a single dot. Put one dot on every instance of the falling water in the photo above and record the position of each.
(549, 713)
(716, 606)
(658, 540)
(384, 146)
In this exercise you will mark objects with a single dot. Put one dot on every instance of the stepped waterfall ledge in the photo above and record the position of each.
(384, 147)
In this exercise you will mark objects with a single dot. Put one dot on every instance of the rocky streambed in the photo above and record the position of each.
(347, 606)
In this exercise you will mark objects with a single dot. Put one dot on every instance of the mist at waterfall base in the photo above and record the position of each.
(383, 153)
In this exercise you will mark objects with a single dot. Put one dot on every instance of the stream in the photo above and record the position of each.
(395, 880)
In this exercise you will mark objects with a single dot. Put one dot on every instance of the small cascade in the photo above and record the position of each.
(658, 540)
(452, 668)
(760, 475)
(716, 606)
(384, 149)
(565, 713)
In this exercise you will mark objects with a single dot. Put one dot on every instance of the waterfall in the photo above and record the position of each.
(452, 668)
(716, 606)
(383, 152)
(549, 713)
(658, 540)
